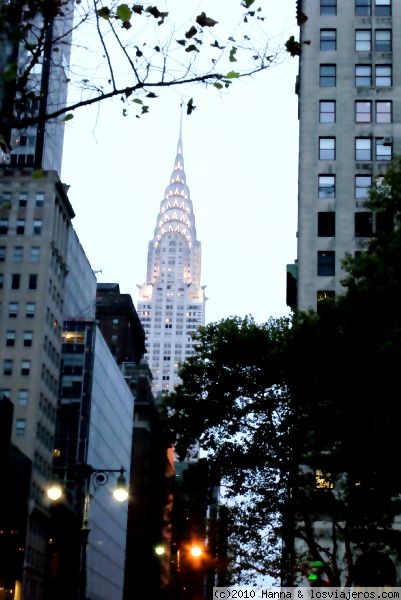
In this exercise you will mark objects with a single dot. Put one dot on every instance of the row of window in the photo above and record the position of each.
(15, 281)
(326, 224)
(327, 186)
(364, 111)
(363, 148)
(363, 8)
(383, 75)
(11, 338)
(13, 310)
(8, 367)
(22, 396)
(18, 254)
(364, 39)
(23, 198)
(20, 226)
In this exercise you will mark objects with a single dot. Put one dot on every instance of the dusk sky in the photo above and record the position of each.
(240, 155)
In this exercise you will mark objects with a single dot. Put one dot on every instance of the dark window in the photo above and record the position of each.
(25, 367)
(326, 263)
(33, 282)
(363, 75)
(384, 222)
(37, 226)
(383, 8)
(40, 198)
(328, 7)
(326, 224)
(327, 76)
(327, 111)
(28, 336)
(3, 226)
(20, 226)
(7, 366)
(327, 186)
(363, 8)
(13, 309)
(23, 199)
(15, 281)
(10, 338)
(383, 40)
(328, 39)
(327, 148)
(363, 224)
(2, 253)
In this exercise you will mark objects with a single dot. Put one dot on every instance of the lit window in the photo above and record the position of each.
(363, 184)
(363, 149)
(20, 427)
(383, 75)
(327, 76)
(328, 7)
(384, 111)
(383, 8)
(363, 75)
(327, 111)
(327, 148)
(363, 111)
(383, 40)
(326, 263)
(363, 8)
(327, 186)
(326, 224)
(363, 224)
(328, 39)
(363, 40)
(323, 481)
(384, 148)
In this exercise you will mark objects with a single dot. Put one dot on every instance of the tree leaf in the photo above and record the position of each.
(124, 12)
(205, 21)
(104, 12)
(137, 101)
(68, 117)
(218, 85)
(191, 48)
(232, 75)
(233, 52)
(151, 95)
(191, 32)
(247, 3)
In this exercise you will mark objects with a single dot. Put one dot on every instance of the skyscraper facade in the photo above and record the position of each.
(171, 303)
(349, 89)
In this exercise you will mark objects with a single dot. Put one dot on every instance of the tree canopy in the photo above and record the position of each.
(299, 417)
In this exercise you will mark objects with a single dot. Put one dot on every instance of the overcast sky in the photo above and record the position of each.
(240, 155)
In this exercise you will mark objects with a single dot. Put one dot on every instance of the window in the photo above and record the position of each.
(363, 149)
(384, 111)
(22, 397)
(28, 337)
(326, 224)
(15, 281)
(18, 253)
(327, 111)
(5, 393)
(363, 40)
(23, 199)
(1, 281)
(10, 338)
(328, 7)
(383, 75)
(384, 148)
(33, 282)
(7, 366)
(383, 40)
(3, 226)
(25, 367)
(327, 76)
(327, 148)
(20, 226)
(40, 198)
(327, 186)
(328, 39)
(362, 186)
(20, 427)
(363, 111)
(2, 253)
(13, 310)
(363, 8)
(326, 263)
(34, 254)
(383, 8)
(37, 226)
(363, 224)
(30, 310)
(363, 75)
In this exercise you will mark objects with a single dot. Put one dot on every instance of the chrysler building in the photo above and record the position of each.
(171, 303)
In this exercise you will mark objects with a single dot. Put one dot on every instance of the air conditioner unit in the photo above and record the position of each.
(387, 141)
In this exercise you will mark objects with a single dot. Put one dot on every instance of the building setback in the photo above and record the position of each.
(171, 303)
(349, 89)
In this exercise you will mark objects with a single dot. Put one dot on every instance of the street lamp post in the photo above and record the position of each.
(90, 478)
